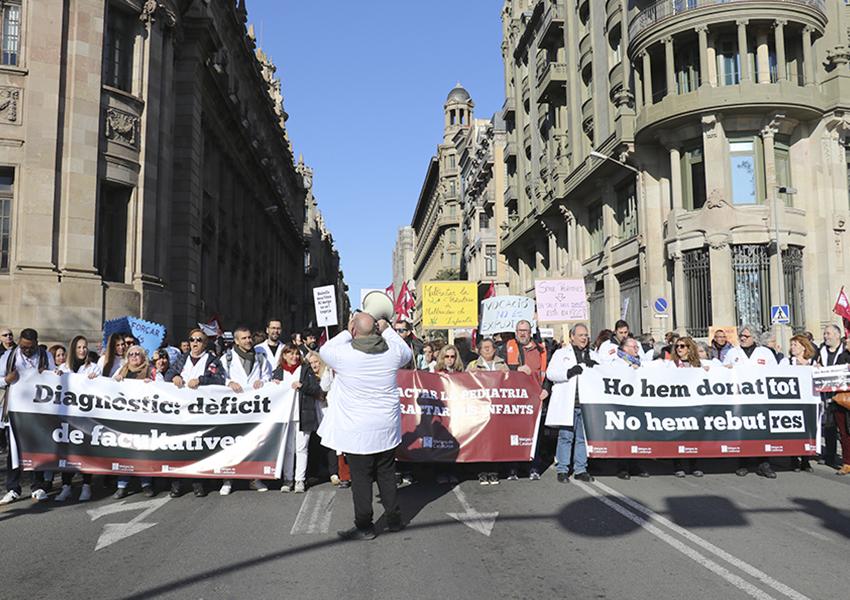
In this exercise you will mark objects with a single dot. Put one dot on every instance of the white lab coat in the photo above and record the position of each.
(364, 415)
(274, 361)
(761, 357)
(234, 371)
(562, 402)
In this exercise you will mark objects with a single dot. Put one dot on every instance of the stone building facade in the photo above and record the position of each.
(403, 255)
(321, 258)
(437, 217)
(650, 146)
(481, 155)
(144, 168)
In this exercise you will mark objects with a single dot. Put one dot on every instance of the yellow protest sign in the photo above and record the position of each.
(450, 304)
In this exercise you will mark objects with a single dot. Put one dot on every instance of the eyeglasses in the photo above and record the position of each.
(402, 330)
(451, 355)
(198, 340)
(134, 354)
(680, 346)
(8, 334)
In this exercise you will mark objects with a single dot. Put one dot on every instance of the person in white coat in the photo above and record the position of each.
(607, 352)
(364, 416)
(749, 353)
(566, 365)
(245, 368)
(273, 345)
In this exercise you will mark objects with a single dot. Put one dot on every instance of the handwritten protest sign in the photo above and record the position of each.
(324, 299)
(561, 300)
(450, 304)
(502, 313)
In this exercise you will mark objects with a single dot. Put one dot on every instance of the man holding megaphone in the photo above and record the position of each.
(364, 415)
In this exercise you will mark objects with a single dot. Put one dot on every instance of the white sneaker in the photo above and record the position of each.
(334, 480)
(286, 487)
(260, 486)
(85, 493)
(225, 490)
(10, 497)
(299, 487)
(39, 495)
(64, 494)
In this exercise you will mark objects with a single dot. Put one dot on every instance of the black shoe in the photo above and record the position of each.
(357, 534)
(563, 477)
(198, 489)
(765, 470)
(175, 492)
(120, 493)
(148, 491)
(344, 484)
(585, 476)
(624, 475)
(395, 526)
(806, 466)
(742, 471)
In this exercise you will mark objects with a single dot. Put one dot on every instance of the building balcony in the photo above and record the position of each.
(510, 148)
(510, 192)
(551, 83)
(615, 79)
(524, 89)
(613, 12)
(526, 135)
(587, 114)
(798, 102)
(585, 51)
(509, 108)
(667, 14)
(552, 25)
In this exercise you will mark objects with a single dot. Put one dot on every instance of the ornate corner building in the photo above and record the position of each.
(662, 148)
(145, 168)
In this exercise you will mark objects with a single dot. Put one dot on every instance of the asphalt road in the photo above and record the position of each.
(713, 538)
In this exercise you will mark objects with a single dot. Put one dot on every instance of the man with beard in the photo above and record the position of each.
(245, 369)
(272, 347)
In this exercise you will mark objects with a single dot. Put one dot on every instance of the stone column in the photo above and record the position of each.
(742, 49)
(670, 66)
(702, 33)
(647, 77)
(679, 308)
(762, 57)
(767, 135)
(779, 39)
(712, 62)
(638, 91)
(808, 59)
(675, 178)
(722, 281)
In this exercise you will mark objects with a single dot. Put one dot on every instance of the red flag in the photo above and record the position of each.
(390, 291)
(491, 291)
(842, 309)
(405, 303)
(323, 337)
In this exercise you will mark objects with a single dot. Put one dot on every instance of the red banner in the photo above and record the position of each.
(488, 416)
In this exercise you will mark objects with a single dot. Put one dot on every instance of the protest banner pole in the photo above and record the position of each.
(327, 334)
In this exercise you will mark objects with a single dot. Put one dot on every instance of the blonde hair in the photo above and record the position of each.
(441, 362)
(322, 365)
(145, 367)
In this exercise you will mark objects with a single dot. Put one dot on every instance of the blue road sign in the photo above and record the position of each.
(779, 314)
(661, 305)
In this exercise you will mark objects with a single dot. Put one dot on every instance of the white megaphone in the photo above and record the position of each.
(379, 305)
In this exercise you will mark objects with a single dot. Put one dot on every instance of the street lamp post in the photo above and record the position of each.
(781, 332)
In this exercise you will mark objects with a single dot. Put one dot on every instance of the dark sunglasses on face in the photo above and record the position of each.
(5, 335)
(134, 354)
(680, 346)
(198, 340)
(451, 356)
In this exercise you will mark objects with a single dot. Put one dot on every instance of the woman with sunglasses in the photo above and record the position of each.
(113, 359)
(686, 356)
(449, 360)
(136, 367)
(301, 378)
(78, 361)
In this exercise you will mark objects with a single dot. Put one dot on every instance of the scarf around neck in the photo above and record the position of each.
(370, 344)
(290, 368)
(632, 360)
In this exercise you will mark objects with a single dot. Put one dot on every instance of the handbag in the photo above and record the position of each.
(842, 399)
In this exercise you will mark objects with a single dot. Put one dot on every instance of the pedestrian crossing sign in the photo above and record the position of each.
(779, 314)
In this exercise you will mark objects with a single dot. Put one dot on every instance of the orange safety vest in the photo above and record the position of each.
(516, 357)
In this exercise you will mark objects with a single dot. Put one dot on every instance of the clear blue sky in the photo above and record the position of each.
(364, 85)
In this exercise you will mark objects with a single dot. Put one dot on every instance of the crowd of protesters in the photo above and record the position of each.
(241, 359)
(247, 359)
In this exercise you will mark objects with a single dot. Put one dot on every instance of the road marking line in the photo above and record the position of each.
(314, 516)
(700, 559)
(704, 544)
(481, 522)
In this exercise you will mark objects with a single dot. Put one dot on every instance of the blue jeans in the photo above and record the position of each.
(125, 481)
(566, 436)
